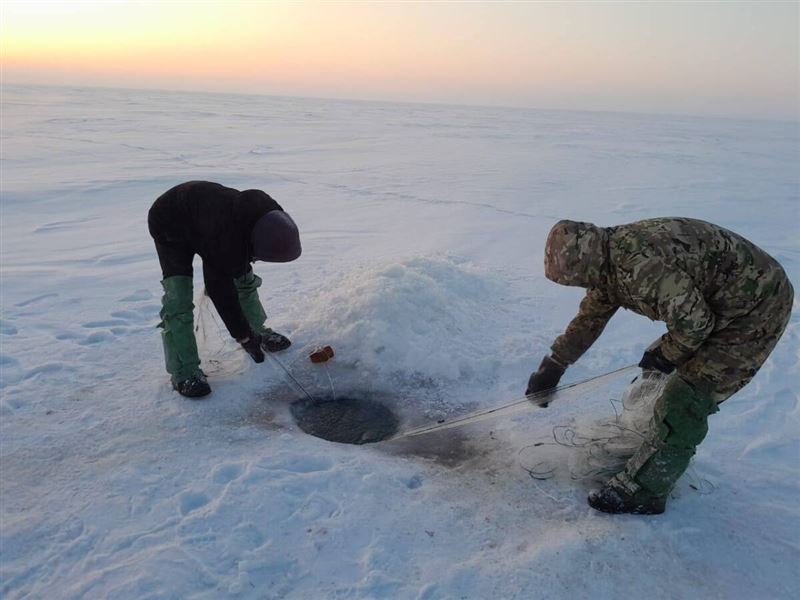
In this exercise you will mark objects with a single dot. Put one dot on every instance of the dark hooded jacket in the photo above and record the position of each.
(695, 276)
(215, 222)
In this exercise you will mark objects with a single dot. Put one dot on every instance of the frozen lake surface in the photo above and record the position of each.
(423, 229)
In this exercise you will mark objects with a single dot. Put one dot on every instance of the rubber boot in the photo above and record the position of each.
(679, 424)
(180, 347)
(616, 499)
(272, 341)
(195, 386)
(247, 287)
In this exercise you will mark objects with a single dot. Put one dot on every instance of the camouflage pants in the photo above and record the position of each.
(731, 357)
(723, 365)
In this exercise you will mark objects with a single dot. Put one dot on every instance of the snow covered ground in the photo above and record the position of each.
(423, 229)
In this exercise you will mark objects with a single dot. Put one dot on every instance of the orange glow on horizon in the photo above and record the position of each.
(519, 54)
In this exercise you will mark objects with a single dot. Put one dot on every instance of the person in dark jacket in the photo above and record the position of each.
(228, 229)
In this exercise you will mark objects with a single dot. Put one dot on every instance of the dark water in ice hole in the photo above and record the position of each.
(451, 448)
(347, 420)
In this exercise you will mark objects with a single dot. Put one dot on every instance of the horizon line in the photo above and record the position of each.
(795, 120)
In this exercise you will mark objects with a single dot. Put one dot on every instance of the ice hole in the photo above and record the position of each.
(346, 419)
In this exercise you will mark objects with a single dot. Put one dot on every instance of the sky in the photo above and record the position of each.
(717, 58)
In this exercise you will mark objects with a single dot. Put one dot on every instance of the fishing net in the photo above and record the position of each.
(597, 450)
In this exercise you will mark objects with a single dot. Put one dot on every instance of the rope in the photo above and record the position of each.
(480, 415)
(288, 374)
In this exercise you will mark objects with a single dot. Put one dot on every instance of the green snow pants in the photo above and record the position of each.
(679, 424)
(177, 320)
(247, 287)
(177, 325)
(724, 364)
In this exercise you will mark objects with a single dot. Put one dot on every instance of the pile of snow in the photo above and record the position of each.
(421, 318)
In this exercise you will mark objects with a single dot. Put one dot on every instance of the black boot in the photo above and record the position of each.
(195, 386)
(615, 500)
(272, 341)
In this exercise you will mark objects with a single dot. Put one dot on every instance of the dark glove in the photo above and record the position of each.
(272, 341)
(653, 360)
(545, 378)
(252, 345)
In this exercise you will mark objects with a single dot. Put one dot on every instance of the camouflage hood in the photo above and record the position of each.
(577, 254)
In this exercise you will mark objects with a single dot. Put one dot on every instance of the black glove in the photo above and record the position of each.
(653, 360)
(272, 341)
(252, 345)
(545, 378)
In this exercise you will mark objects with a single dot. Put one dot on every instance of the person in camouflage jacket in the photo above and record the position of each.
(725, 303)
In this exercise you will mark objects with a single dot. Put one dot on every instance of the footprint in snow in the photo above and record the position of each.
(8, 328)
(8, 361)
(225, 473)
(135, 316)
(318, 506)
(140, 311)
(122, 322)
(247, 536)
(138, 296)
(105, 323)
(97, 337)
(52, 368)
(68, 335)
(414, 482)
(191, 501)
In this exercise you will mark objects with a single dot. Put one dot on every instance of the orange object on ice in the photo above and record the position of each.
(321, 354)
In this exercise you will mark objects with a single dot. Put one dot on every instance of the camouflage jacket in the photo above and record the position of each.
(695, 276)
